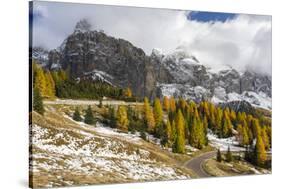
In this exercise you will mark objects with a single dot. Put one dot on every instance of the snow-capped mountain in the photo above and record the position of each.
(193, 80)
(40, 55)
(98, 56)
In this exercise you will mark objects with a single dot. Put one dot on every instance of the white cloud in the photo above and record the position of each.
(244, 42)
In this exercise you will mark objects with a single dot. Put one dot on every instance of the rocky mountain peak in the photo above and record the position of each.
(95, 55)
(40, 54)
(82, 26)
(157, 54)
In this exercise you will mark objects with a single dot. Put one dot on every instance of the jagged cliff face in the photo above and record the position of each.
(86, 52)
(193, 80)
(95, 55)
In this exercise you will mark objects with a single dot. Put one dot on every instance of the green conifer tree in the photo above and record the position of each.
(229, 155)
(76, 115)
(89, 118)
(37, 101)
(112, 117)
(219, 158)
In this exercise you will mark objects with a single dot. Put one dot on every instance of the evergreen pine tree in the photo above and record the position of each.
(197, 134)
(229, 155)
(76, 115)
(227, 126)
(218, 124)
(265, 138)
(232, 115)
(174, 131)
(256, 127)
(179, 145)
(168, 131)
(100, 103)
(37, 101)
(245, 137)
(89, 118)
(239, 136)
(148, 116)
(122, 119)
(40, 81)
(172, 104)
(62, 75)
(143, 135)
(112, 117)
(55, 77)
(260, 152)
(219, 158)
(187, 122)
(50, 85)
(166, 104)
(158, 113)
(128, 93)
(205, 129)
(182, 104)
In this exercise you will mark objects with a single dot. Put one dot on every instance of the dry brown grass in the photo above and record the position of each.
(234, 168)
(54, 121)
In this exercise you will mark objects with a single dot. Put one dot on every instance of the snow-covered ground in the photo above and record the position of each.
(99, 154)
(224, 143)
(105, 130)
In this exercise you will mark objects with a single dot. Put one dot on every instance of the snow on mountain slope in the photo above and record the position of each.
(40, 55)
(219, 95)
(256, 99)
(97, 75)
(68, 154)
(182, 66)
(195, 81)
(196, 93)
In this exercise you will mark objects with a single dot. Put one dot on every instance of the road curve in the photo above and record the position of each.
(196, 163)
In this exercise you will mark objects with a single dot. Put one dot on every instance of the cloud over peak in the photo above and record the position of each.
(242, 42)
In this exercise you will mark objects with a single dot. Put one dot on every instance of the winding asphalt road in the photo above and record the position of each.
(196, 163)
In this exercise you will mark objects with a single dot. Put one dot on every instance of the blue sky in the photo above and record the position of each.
(210, 16)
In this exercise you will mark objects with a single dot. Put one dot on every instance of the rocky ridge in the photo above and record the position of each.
(96, 55)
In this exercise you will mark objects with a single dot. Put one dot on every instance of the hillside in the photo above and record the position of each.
(65, 152)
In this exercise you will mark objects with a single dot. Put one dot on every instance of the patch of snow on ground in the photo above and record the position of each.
(223, 143)
(83, 152)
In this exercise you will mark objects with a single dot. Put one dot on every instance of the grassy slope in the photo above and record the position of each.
(52, 167)
(235, 168)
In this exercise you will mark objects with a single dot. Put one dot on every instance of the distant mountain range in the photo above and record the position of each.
(97, 56)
